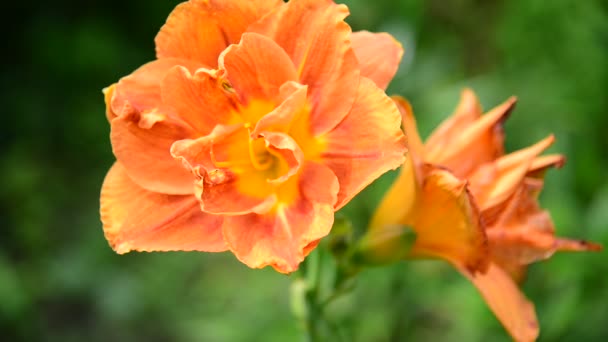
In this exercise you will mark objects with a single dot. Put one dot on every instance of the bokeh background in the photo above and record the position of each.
(59, 280)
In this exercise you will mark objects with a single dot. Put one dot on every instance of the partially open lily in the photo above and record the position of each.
(257, 121)
(477, 208)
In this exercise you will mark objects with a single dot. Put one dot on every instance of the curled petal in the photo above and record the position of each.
(140, 91)
(257, 67)
(505, 299)
(479, 142)
(143, 148)
(315, 36)
(108, 94)
(135, 219)
(378, 54)
(495, 182)
(283, 237)
(366, 144)
(282, 118)
(414, 143)
(197, 99)
(201, 29)
(447, 223)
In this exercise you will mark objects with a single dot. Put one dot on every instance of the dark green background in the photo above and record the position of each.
(59, 280)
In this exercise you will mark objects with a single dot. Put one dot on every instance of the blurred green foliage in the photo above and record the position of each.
(59, 280)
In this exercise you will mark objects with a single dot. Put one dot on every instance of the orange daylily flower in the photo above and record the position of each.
(476, 207)
(257, 121)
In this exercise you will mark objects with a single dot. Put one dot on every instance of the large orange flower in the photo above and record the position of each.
(477, 208)
(257, 121)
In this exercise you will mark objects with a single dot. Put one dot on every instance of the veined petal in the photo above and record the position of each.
(143, 148)
(505, 299)
(378, 54)
(257, 67)
(479, 142)
(201, 29)
(315, 36)
(135, 219)
(283, 237)
(140, 91)
(493, 183)
(447, 223)
(198, 99)
(366, 144)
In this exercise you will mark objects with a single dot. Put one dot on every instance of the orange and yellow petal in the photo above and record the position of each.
(366, 144)
(378, 54)
(256, 68)
(505, 299)
(144, 152)
(283, 117)
(414, 143)
(285, 235)
(197, 99)
(200, 30)
(135, 219)
(478, 142)
(446, 222)
(315, 36)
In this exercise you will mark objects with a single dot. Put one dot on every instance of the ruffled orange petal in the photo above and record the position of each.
(140, 91)
(223, 176)
(476, 143)
(197, 99)
(378, 54)
(143, 148)
(495, 182)
(201, 29)
(505, 299)
(446, 222)
(315, 36)
(108, 94)
(366, 144)
(138, 220)
(257, 67)
(284, 236)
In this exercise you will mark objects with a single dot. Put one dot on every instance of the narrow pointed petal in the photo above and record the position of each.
(366, 144)
(201, 29)
(144, 152)
(525, 233)
(284, 236)
(414, 143)
(135, 219)
(378, 54)
(257, 67)
(447, 223)
(468, 110)
(479, 142)
(493, 183)
(197, 99)
(315, 36)
(505, 299)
